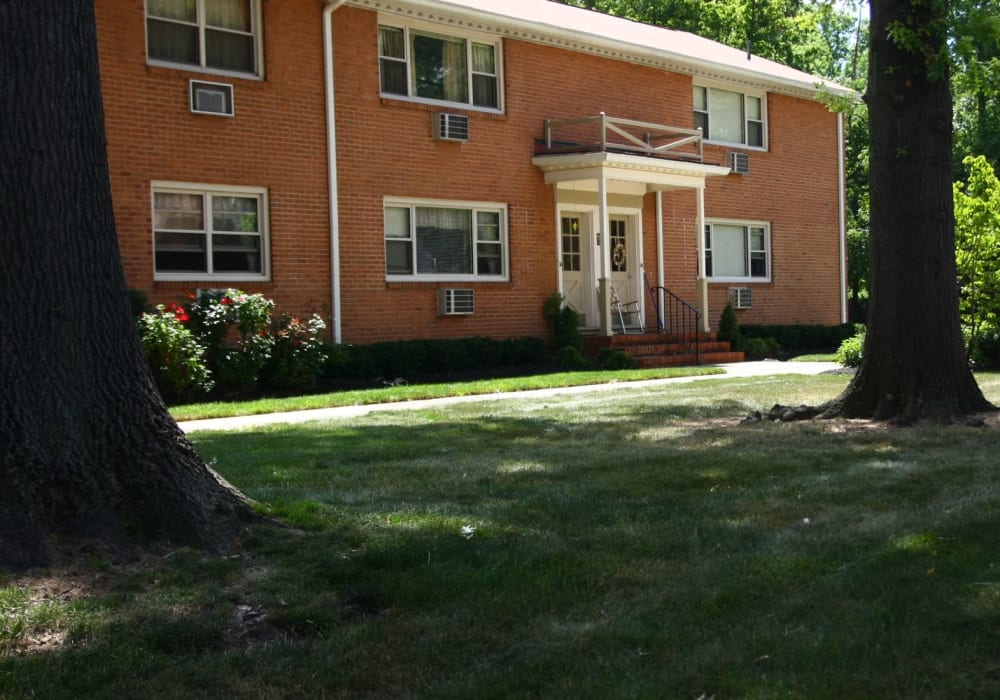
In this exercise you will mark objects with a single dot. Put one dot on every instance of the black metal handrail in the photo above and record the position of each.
(678, 318)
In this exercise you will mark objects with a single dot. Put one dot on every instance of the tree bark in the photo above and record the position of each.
(913, 366)
(88, 450)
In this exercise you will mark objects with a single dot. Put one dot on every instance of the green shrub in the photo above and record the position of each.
(761, 348)
(138, 303)
(729, 327)
(297, 355)
(413, 358)
(565, 323)
(800, 337)
(986, 348)
(614, 359)
(569, 358)
(233, 328)
(850, 351)
(175, 357)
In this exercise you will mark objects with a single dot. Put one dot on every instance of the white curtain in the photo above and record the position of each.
(726, 111)
(729, 258)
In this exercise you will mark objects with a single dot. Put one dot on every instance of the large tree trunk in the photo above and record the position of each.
(913, 367)
(88, 451)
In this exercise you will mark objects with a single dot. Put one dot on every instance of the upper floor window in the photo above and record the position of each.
(429, 65)
(737, 252)
(213, 35)
(729, 117)
(445, 240)
(207, 233)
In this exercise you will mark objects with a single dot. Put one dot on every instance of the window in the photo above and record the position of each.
(201, 233)
(455, 241)
(737, 252)
(571, 255)
(214, 35)
(729, 117)
(431, 66)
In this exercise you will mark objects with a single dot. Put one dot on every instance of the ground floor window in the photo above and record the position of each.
(445, 240)
(737, 251)
(208, 232)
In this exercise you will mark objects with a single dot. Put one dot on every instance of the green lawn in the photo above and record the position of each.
(635, 543)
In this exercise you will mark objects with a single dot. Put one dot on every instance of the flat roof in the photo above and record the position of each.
(579, 29)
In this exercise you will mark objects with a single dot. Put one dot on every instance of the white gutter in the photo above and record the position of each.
(331, 155)
(842, 199)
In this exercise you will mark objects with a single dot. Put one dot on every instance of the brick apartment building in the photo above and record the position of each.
(439, 168)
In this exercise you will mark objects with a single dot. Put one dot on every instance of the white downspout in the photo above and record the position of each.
(841, 186)
(331, 151)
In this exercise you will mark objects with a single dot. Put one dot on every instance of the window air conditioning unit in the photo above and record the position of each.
(456, 302)
(739, 163)
(212, 98)
(450, 127)
(740, 297)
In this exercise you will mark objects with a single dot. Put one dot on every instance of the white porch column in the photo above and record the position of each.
(604, 222)
(660, 274)
(702, 278)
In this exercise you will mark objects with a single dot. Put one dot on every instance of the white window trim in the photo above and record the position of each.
(767, 249)
(759, 94)
(257, 19)
(263, 223)
(410, 203)
(397, 22)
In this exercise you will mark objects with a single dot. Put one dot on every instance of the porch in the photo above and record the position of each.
(601, 169)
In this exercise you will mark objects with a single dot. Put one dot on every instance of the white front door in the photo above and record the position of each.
(626, 275)
(577, 269)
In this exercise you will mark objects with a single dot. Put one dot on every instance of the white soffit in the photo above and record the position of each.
(577, 29)
(585, 169)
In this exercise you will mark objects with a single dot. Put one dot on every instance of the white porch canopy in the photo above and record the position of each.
(608, 173)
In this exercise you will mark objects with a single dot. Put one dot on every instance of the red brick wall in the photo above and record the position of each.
(278, 140)
(275, 140)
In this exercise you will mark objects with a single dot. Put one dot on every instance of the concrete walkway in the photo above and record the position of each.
(763, 368)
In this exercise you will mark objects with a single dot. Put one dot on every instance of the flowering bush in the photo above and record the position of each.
(297, 355)
(175, 357)
(233, 329)
(226, 338)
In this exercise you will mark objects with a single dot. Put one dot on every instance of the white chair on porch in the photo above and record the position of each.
(626, 310)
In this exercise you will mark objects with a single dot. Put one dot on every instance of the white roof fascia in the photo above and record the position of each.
(587, 31)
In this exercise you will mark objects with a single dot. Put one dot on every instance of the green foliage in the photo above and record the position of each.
(729, 327)
(224, 340)
(297, 355)
(986, 347)
(175, 357)
(850, 351)
(615, 359)
(409, 359)
(565, 323)
(814, 37)
(233, 328)
(139, 303)
(977, 249)
(761, 348)
(796, 337)
(569, 358)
